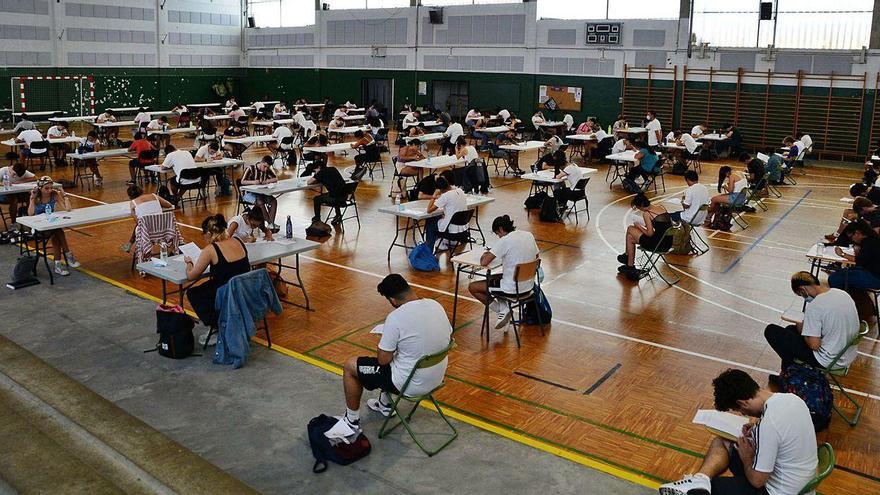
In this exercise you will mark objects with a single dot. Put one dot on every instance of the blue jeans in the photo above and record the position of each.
(853, 278)
(431, 229)
(483, 137)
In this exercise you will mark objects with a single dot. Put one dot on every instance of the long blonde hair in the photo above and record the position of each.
(215, 227)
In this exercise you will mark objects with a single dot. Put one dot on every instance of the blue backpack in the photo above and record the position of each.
(422, 259)
(541, 307)
(810, 384)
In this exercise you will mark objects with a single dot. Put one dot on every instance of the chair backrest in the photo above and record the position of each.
(826, 465)
(863, 330)
(39, 145)
(669, 234)
(461, 218)
(191, 173)
(427, 361)
(287, 140)
(350, 190)
(696, 214)
(582, 184)
(526, 271)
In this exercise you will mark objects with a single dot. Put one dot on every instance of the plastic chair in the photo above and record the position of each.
(703, 246)
(523, 272)
(397, 178)
(579, 193)
(823, 470)
(423, 362)
(456, 239)
(184, 191)
(348, 202)
(650, 257)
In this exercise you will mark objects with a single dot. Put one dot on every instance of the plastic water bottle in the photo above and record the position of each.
(289, 231)
(429, 158)
(49, 213)
(163, 252)
(820, 248)
(6, 182)
(609, 129)
(398, 202)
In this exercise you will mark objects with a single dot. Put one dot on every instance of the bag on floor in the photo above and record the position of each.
(318, 229)
(165, 194)
(175, 328)
(342, 453)
(678, 168)
(810, 384)
(681, 240)
(535, 201)
(540, 306)
(722, 221)
(422, 259)
(550, 210)
(630, 186)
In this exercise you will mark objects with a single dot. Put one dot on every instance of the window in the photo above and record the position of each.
(608, 9)
(281, 13)
(810, 24)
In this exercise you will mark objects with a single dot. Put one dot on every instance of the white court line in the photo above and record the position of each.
(564, 322)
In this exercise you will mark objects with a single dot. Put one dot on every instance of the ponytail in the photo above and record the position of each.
(503, 223)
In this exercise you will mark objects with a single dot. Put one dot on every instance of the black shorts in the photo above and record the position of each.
(373, 375)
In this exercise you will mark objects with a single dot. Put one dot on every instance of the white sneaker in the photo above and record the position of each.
(503, 319)
(495, 306)
(71, 260)
(698, 484)
(376, 405)
(204, 336)
(60, 270)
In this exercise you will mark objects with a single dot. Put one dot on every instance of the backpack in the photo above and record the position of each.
(722, 221)
(341, 453)
(549, 210)
(810, 384)
(531, 310)
(422, 259)
(681, 241)
(318, 229)
(630, 186)
(174, 327)
(678, 168)
(535, 201)
(165, 193)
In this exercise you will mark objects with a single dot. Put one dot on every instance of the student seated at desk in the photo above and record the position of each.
(375, 124)
(568, 122)
(572, 174)
(444, 119)
(183, 117)
(555, 161)
(227, 257)
(538, 118)
(178, 161)
(368, 152)
(473, 118)
(618, 128)
(318, 139)
(89, 144)
(495, 151)
(233, 131)
(24, 124)
(865, 275)
(587, 128)
(279, 132)
(230, 102)
(417, 327)
(857, 191)
(340, 113)
(774, 167)
(410, 152)
(648, 232)
(645, 163)
(831, 320)
(512, 248)
(246, 225)
(28, 137)
(774, 456)
(416, 130)
(730, 189)
(280, 110)
(209, 152)
(59, 151)
(334, 185)
(236, 113)
(450, 200)
(426, 187)
(17, 173)
(141, 144)
(143, 204)
(141, 119)
(699, 129)
(732, 142)
(258, 174)
(695, 196)
(622, 144)
(411, 119)
(160, 124)
(451, 135)
(44, 196)
(795, 149)
(475, 174)
(112, 133)
(336, 124)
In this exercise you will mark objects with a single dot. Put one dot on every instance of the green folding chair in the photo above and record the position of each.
(423, 362)
(826, 465)
(649, 258)
(698, 243)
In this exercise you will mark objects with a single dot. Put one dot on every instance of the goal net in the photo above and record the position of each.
(72, 94)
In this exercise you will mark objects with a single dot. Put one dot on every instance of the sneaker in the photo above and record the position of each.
(60, 270)
(622, 258)
(503, 319)
(126, 247)
(698, 484)
(71, 260)
(376, 405)
(495, 306)
(354, 425)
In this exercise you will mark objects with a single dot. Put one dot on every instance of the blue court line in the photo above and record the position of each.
(759, 239)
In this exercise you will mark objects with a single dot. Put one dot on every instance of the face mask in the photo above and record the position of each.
(808, 299)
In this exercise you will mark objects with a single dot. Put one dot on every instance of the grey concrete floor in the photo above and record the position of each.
(251, 422)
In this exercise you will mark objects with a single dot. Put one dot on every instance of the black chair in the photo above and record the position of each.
(185, 191)
(381, 138)
(349, 201)
(372, 159)
(578, 194)
(30, 157)
(397, 178)
(241, 204)
(692, 160)
(456, 239)
(145, 158)
(651, 179)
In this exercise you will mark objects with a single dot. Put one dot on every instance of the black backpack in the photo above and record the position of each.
(678, 168)
(549, 210)
(175, 332)
(535, 201)
(342, 454)
(165, 194)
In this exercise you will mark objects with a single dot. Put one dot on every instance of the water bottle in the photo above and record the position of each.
(49, 212)
(429, 158)
(163, 252)
(398, 202)
(6, 182)
(820, 248)
(609, 129)
(289, 231)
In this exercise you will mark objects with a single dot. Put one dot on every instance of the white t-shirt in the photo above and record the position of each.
(470, 154)
(300, 118)
(242, 228)
(689, 143)
(514, 248)
(236, 114)
(142, 117)
(281, 133)
(155, 125)
(279, 108)
(55, 132)
(785, 444)
(339, 113)
(573, 174)
(410, 120)
(697, 131)
(670, 137)
(553, 144)
(619, 146)
(204, 152)
(180, 160)
(833, 317)
(568, 120)
(14, 179)
(537, 119)
(106, 117)
(31, 136)
(600, 135)
(504, 115)
(695, 196)
(375, 128)
(453, 132)
(801, 149)
(229, 103)
(416, 329)
(472, 115)
(451, 202)
(652, 127)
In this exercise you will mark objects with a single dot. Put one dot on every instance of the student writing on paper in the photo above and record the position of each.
(776, 456)
(695, 196)
(830, 323)
(248, 224)
(258, 174)
(866, 272)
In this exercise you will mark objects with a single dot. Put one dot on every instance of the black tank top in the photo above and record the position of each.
(224, 270)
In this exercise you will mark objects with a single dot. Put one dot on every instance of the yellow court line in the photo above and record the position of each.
(464, 418)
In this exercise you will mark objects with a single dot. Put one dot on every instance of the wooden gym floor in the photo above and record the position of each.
(621, 371)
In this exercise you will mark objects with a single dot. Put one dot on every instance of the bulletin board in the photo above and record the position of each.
(567, 97)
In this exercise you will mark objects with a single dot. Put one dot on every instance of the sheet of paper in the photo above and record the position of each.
(763, 157)
(191, 250)
(793, 315)
(340, 430)
(378, 329)
(724, 422)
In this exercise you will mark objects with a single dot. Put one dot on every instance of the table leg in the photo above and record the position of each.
(181, 291)
(455, 297)
(164, 292)
(45, 243)
(477, 222)
(302, 286)
(396, 235)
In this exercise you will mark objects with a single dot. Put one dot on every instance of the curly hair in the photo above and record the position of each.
(731, 386)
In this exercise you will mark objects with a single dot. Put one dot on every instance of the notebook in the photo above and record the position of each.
(723, 424)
